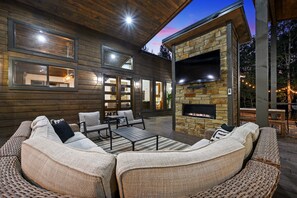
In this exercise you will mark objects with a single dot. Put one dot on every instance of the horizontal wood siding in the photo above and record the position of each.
(19, 105)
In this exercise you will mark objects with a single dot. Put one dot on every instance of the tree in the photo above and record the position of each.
(164, 52)
(287, 54)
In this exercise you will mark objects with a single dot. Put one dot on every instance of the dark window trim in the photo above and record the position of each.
(113, 67)
(12, 47)
(45, 88)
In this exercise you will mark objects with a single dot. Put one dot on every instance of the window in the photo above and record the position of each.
(38, 41)
(39, 75)
(146, 95)
(116, 59)
(168, 95)
(159, 96)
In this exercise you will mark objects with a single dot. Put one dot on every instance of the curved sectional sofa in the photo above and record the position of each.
(205, 170)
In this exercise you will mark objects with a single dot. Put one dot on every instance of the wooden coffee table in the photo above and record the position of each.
(133, 134)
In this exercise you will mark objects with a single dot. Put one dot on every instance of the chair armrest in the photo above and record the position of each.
(84, 125)
(74, 127)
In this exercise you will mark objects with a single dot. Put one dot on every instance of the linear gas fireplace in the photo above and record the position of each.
(200, 110)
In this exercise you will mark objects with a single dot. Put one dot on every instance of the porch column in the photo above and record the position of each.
(273, 72)
(262, 62)
(173, 88)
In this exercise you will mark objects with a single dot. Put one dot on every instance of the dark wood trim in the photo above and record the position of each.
(173, 88)
(113, 67)
(238, 84)
(151, 95)
(12, 47)
(230, 65)
(46, 88)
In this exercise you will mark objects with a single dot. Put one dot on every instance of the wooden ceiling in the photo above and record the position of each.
(233, 13)
(108, 16)
(282, 10)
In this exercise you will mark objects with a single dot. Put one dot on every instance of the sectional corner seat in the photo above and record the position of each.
(36, 163)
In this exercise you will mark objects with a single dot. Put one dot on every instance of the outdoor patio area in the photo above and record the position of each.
(144, 98)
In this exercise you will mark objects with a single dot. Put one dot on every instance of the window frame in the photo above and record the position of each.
(152, 102)
(12, 45)
(11, 84)
(113, 67)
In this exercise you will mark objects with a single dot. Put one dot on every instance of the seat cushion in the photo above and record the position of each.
(135, 121)
(200, 144)
(77, 136)
(97, 127)
(90, 118)
(83, 144)
(65, 170)
(63, 130)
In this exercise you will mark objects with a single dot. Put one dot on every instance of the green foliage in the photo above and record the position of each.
(286, 63)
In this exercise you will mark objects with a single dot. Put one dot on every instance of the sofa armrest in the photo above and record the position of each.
(208, 133)
(255, 180)
(74, 127)
(66, 170)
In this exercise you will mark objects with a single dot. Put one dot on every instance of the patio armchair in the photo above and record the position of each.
(129, 119)
(90, 122)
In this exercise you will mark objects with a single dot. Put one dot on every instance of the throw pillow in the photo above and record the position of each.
(56, 121)
(227, 127)
(219, 134)
(63, 130)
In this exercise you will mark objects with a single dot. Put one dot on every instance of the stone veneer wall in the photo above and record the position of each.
(214, 93)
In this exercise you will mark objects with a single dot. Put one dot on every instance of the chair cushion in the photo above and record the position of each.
(244, 136)
(135, 121)
(63, 130)
(92, 119)
(254, 129)
(129, 115)
(97, 127)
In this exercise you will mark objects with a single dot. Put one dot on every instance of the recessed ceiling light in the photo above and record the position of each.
(112, 56)
(41, 38)
(129, 20)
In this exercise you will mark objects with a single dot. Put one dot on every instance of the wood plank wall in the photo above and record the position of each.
(19, 105)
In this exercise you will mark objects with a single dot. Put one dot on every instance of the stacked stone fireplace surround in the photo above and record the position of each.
(225, 39)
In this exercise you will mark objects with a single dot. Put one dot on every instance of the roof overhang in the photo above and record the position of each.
(234, 14)
(107, 17)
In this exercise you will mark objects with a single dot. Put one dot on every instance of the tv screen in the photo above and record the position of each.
(197, 69)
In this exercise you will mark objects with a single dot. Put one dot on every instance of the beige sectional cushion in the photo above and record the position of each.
(77, 136)
(65, 170)
(254, 128)
(178, 173)
(41, 127)
(244, 136)
(199, 144)
(84, 144)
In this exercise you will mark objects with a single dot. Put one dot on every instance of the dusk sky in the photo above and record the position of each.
(195, 11)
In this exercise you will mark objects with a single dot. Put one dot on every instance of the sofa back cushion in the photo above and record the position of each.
(65, 170)
(178, 173)
(41, 127)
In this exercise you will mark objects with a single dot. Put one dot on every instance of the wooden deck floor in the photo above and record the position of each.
(287, 187)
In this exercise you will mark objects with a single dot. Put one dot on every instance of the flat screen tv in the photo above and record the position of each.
(197, 69)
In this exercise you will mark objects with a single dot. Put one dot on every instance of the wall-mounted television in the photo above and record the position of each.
(197, 69)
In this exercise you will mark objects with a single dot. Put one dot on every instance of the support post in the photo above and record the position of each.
(262, 62)
(273, 72)
(173, 88)
(230, 82)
